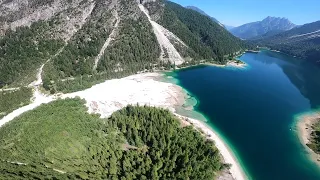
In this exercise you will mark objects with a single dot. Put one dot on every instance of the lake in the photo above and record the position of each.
(254, 110)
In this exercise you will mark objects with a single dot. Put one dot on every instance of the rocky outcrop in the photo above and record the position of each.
(70, 15)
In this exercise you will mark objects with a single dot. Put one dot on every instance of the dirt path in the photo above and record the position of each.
(9, 89)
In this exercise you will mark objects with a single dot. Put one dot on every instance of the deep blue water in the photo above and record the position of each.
(254, 111)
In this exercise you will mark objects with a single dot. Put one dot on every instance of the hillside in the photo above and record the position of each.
(203, 13)
(204, 38)
(303, 42)
(269, 24)
(134, 143)
(83, 42)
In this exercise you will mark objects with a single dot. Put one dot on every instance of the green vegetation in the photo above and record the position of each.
(78, 56)
(205, 38)
(134, 143)
(23, 51)
(315, 138)
(134, 49)
(308, 50)
(11, 100)
(301, 42)
(83, 82)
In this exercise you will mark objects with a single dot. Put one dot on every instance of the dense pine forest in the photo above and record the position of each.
(134, 143)
(23, 51)
(136, 47)
(205, 38)
(302, 42)
(11, 100)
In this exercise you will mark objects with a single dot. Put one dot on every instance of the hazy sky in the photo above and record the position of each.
(238, 12)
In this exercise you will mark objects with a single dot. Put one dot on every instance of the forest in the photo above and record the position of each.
(134, 143)
(206, 38)
(134, 49)
(302, 42)
(77, 58)
(11, 100)
(307, 50)
(23, 51)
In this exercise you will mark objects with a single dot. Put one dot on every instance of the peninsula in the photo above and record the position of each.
(308, 127)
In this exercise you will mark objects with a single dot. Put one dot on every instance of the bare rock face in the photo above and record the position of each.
(19, 13)
(145, 1)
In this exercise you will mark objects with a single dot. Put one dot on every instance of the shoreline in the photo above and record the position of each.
(304, 128)
(235, 172)
(145, 89)
(232, 64)
(228, 157)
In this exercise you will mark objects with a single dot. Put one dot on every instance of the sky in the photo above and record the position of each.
(238, 12)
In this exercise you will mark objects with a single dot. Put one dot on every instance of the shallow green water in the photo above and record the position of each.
(254, 111)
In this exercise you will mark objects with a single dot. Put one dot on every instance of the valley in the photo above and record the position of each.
(155, 89)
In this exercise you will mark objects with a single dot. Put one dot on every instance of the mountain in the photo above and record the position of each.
(268, 34)
(302, 41)
(251, 30)
(80, 43)
(203, 13)
(229, 27)
(62, 46)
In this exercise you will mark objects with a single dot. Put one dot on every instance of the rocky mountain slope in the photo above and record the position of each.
(80, 43)
(303, 42)
(251, 30)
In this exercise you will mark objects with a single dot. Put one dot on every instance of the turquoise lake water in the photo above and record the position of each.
(254, 111)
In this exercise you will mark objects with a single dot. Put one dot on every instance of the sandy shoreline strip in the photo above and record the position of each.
(228, 157)
(304, 127)
(230, 64)
(143, 89)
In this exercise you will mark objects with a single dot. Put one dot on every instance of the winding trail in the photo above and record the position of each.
(164, 42)
(9, 89)
(38, 97)
(110, 38)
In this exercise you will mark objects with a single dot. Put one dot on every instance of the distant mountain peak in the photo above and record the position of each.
(272, 18)
(269, 18)
(269, 24)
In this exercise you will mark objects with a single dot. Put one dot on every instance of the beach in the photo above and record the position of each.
(304, 128)
(230, 64)
(228, 157)
(145, 89)
(140, 89)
